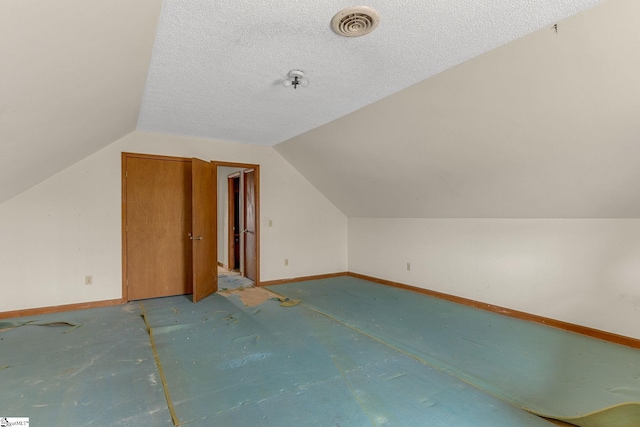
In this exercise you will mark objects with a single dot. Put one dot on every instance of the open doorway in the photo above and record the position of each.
(234, 226)
(238, 224)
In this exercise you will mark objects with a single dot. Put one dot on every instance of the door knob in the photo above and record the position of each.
(246, 230)
(195, 237)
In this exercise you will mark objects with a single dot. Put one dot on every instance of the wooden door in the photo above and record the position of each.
(204, 229)
(233, 204)
(250, 248)
(157, 214)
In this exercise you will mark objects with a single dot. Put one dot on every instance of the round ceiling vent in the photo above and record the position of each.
(355, 21)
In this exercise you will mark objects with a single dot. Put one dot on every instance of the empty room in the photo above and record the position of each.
(285, 213)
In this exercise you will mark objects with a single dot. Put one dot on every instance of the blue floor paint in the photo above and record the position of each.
(101, 373)
(227, 364)
(290, 366)
(545, 370)
(233, 280)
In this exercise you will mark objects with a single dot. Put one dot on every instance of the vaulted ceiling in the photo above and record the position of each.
(547, 126)
(72, 73)
(509, 108)
(218, 66)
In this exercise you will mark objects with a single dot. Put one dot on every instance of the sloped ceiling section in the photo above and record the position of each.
(72, 76)
(546, 126)
(218, 66)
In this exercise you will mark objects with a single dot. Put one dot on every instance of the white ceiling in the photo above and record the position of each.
(72, 74)
(500, 116)
(218, 66)
(547, 126)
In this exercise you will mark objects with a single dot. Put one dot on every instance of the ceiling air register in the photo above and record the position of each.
(355, 21)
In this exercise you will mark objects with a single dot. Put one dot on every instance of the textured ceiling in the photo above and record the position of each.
(500, 117)
(547, 126)
(218, 66)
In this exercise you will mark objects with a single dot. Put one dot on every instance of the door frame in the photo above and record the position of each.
(249, 231)
(232, 211)
(256, 169)
(216, 164)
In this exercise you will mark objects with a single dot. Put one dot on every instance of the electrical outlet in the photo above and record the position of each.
(286, 262)
(408, 266)
(88, 280)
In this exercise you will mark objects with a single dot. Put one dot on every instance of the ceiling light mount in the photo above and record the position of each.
(355, 21)
(295, 78)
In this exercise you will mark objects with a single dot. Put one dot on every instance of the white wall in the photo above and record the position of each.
(584, 271)
(69, 226)
(55, 233)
